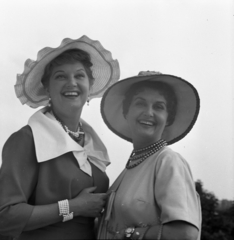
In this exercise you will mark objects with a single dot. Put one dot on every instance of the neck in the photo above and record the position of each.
(71, 120)
(142, 144)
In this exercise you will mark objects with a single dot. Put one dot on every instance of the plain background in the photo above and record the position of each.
(190, 39)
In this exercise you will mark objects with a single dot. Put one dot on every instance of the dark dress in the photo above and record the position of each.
(24, 182)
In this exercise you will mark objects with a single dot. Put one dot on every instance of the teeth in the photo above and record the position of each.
(146, 122)
(71, 94)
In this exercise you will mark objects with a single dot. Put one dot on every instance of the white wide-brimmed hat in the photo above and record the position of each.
(188, 105)
(105, 70)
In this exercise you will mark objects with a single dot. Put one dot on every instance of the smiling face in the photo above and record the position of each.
(147, 117)
(68, 88)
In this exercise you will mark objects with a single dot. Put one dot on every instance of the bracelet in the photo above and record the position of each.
(160, 232)
(64, 210)
(129, 232)
(136, 233)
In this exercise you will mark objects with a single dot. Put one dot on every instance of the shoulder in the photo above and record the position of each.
(169, 155)
(23, 132)
(20, 142)
(167, 158)
(168, 152)
(19, 137)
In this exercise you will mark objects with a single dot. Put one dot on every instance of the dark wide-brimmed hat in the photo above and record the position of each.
(188, 105)
(105, 71)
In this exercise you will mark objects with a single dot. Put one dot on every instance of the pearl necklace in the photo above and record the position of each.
(149, 147)
(153, 149)
(136, 154)
(75, 134)
(69, 132)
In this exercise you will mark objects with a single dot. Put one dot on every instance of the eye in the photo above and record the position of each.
(79, 75)
(60, 77)
(160, 106)
(140, 103)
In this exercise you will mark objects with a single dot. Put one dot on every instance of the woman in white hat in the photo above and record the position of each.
(154, 197)
(52, 180)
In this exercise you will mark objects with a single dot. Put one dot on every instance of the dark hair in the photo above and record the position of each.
(69, 56)
(163, 88)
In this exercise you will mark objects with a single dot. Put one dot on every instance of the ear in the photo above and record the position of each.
(167, 124)
(91, 82)
(47, 91)
(125, 115)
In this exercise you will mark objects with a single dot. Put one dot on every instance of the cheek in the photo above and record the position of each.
(85, 86)
(131, 118)
(161, 117)
(54, 92)
(165, 118)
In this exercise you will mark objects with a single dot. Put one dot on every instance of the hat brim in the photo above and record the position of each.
(105, 70)
(186, 115)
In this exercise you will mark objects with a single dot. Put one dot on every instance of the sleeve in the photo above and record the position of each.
(18, 178)
(175, 191)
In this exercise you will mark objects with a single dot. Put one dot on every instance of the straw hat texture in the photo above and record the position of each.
(29, 89)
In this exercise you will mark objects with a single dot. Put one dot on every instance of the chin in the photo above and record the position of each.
(147, 138)
(77, 105)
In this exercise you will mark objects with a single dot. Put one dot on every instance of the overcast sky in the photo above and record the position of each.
(190, 39)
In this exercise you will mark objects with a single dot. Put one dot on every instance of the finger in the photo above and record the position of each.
(103, 195)
(90, 189)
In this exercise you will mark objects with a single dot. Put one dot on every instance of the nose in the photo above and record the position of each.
(149, 111)
(72, 81)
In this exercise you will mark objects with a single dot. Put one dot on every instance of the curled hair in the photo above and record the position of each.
(163, 88)
(69, 56)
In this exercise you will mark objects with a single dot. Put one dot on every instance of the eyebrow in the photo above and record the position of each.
(62, 71)
(58, 71)
(162, 102)
(81, 69)
(140, 98)
(136, 98)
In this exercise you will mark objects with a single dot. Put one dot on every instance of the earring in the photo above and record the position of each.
(88, 101)
(49, 103)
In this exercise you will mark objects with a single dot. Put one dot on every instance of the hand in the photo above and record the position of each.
(147, 73)
(87, 203)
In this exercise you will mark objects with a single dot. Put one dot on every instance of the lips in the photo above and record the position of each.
(147, 123)
(71, 94)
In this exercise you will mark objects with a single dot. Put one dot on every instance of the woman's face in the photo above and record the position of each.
(147, 117)
(68, 88)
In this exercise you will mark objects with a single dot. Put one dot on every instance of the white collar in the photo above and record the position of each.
(52, 141)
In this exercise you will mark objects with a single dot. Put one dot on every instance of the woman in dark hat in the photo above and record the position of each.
(154, 197)
(52, 180)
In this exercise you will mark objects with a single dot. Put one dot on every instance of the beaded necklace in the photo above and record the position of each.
(149, 147)
(77, 136)
(137, 155)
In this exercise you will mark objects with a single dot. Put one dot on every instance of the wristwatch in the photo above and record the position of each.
(129, 232)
